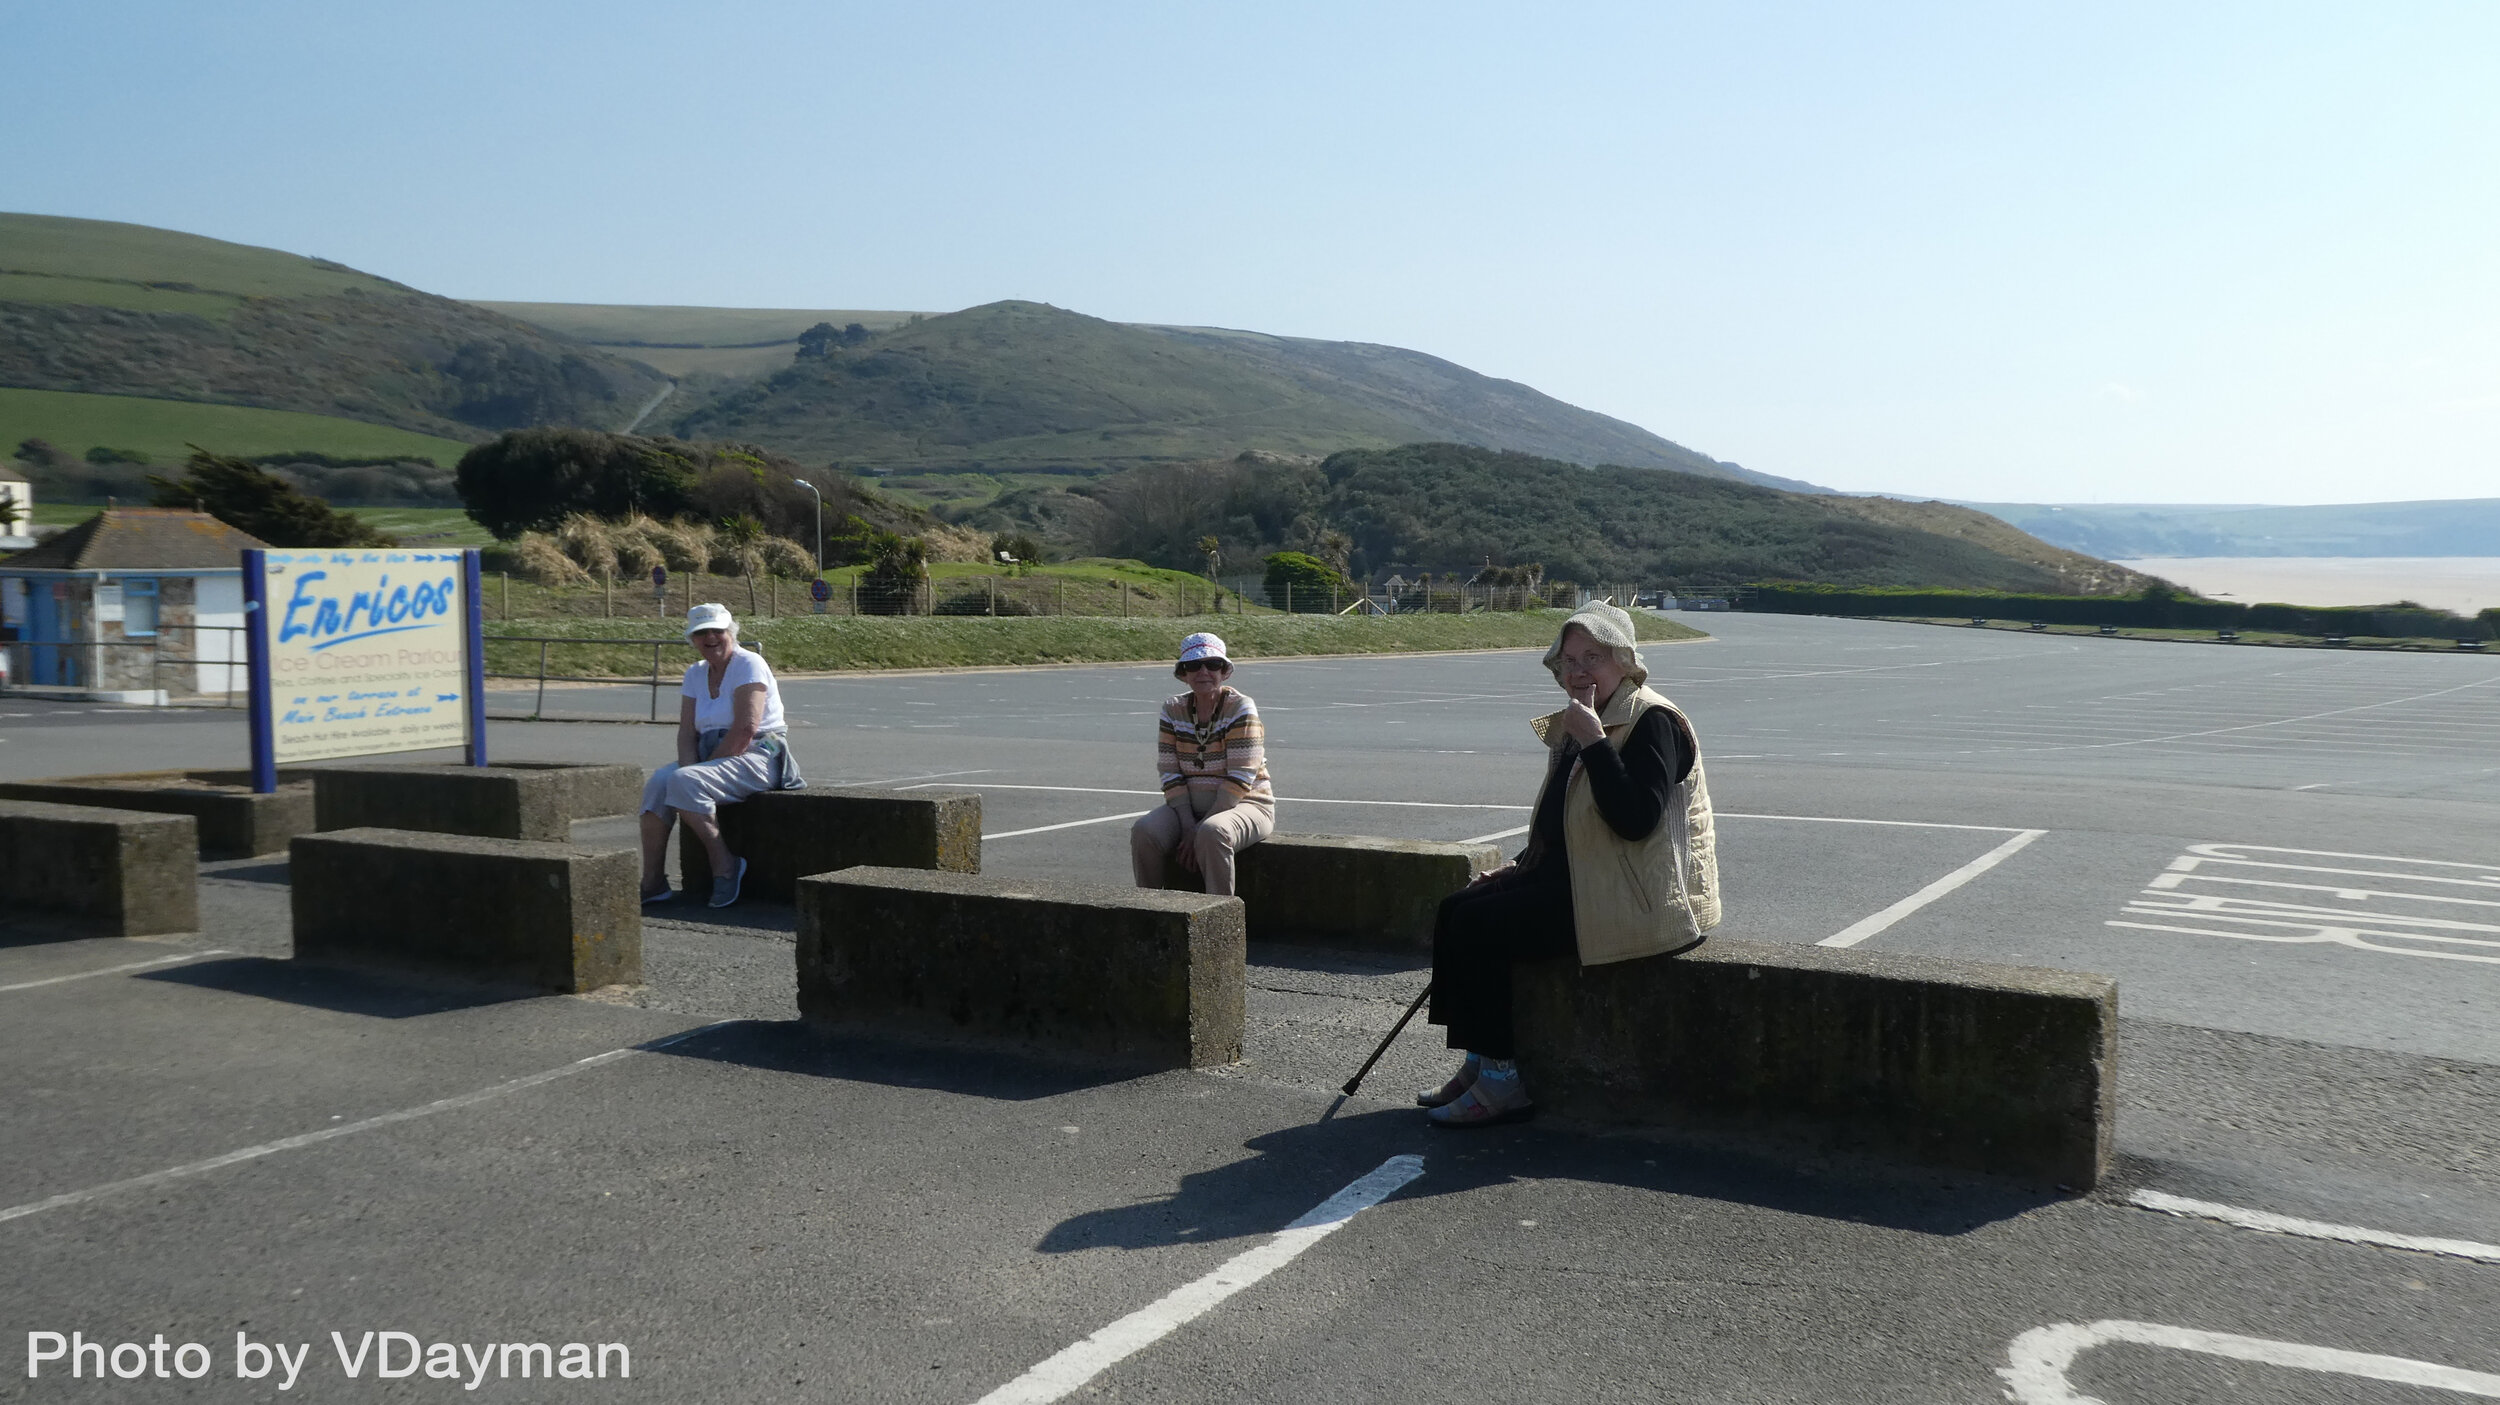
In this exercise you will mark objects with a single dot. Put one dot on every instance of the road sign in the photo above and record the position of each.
(819, 591)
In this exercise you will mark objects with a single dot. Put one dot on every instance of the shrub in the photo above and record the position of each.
(249, 498)
(1303, 583)
(588, 542)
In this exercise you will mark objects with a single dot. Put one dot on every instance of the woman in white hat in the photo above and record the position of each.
(1211, 752)
(1620, 862)
(732, 742)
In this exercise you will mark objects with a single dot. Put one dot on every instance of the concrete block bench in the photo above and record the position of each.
(785, 835)
(1347, 890)
(510, 800)
(1136, 974)
(117, 873)
(2002, 1069)
(514, 910)
(233, 822)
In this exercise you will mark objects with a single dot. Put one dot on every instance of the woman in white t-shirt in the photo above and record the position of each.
(731, 743)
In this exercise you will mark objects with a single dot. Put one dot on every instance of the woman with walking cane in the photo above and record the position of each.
(1620, 863)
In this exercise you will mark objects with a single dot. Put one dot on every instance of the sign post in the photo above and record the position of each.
(362, 653)
(659, 590)
(819, 592)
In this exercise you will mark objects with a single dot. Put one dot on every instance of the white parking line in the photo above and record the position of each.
(117, 970)
(1859, 931)
(254, 1153)
(2035, 1373)
(1497, 834)
(1072, 824)
(1063, 1373)
(2267, 1222)
(1281, 800)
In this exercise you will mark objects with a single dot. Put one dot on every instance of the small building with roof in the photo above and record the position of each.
(135, 604)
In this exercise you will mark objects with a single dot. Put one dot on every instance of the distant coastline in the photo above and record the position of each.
(2465, 584)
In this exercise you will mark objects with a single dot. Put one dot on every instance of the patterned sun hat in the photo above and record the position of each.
(1203, 646)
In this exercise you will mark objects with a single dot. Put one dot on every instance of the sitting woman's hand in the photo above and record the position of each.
(1492, 873)
(1580, 718)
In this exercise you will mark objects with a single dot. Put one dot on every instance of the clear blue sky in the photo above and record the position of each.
(2116, 252)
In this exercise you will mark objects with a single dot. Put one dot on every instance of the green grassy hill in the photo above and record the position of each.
(96, 308)
(1018, 386)
(725, 343)
(161, 429)
(1452, 508)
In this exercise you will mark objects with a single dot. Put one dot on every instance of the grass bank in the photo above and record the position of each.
(812, 644)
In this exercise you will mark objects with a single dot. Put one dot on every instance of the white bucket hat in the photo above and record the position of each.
(1608, 626)
(710, 617)
(1202, 646)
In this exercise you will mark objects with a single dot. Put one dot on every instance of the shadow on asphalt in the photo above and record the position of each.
(1248, 1197)
(257, 870)
(1332, 961)
(790, 1046)
(749, 916)
(382, 995)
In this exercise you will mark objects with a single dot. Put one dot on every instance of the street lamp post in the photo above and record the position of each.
(820, 524)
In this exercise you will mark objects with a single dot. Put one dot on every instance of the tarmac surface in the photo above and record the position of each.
(2290, 860)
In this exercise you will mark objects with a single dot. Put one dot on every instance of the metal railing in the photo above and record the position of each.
(80, 664)
(542, 677)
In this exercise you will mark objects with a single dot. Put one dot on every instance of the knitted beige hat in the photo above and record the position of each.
(1609, 626)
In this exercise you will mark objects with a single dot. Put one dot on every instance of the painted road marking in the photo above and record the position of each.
(2266, 1222)
(2433, 908)
(295, 1143)
(1860, 930)
(1072, 824)
(2035, 1373)
(1281, 800)
(1062, 1374)
(1497, 834)
(117, 970)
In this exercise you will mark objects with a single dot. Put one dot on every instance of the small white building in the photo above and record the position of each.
(135, 604)
(17, 510)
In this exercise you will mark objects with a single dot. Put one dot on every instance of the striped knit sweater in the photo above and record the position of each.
(1220, 763)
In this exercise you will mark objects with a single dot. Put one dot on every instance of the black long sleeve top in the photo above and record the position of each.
(1631, 784)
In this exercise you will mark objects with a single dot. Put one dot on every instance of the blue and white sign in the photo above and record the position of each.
(361, 653)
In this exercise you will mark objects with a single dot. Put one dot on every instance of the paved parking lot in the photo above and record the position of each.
(2290, 861)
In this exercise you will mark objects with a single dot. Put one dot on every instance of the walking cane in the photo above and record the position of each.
(1394, 1030)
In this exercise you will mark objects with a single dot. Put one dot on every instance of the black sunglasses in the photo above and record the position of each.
(1195, 664)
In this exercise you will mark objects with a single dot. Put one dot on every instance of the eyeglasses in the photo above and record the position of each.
(1196, 664)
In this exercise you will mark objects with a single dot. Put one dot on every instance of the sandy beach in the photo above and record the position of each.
(2465, 584)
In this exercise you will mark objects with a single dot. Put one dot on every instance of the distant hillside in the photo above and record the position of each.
(94, 307)
(1020, 386)
(723, 342)
(2459, 527)
(1452, 507)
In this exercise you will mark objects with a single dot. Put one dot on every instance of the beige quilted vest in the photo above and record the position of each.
(1637, 898)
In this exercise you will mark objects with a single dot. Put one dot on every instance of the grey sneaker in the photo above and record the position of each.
(725, 887)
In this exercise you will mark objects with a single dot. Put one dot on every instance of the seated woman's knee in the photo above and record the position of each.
(655, 790)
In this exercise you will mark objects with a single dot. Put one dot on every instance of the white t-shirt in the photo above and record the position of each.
(719, 714)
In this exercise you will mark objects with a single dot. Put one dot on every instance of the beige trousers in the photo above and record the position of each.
(1220, 836)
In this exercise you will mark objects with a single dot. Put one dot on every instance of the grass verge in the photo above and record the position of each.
(822, 644)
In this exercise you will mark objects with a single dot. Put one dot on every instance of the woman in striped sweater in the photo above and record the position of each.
(1212, 753)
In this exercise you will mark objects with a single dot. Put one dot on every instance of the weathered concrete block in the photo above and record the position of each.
(512, 800)
(2005, 1069)
(548, 915)
(1136, 974)
(121, 873)
(785, 835)
(233, 822)
(1355, 891)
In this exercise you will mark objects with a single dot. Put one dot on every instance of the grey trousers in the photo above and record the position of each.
(704, 787)
(1220, 836)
